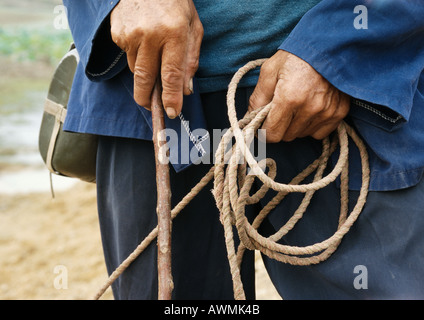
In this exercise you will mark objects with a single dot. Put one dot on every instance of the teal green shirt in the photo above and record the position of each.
(265, 25)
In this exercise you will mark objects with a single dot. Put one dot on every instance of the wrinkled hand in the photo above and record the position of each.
(303, 103)
(159, 36)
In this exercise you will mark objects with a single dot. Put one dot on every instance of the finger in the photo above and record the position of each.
(173, 75)
(309, 117)
(193, 54)
(276, 124)
(132, 58)
(279, 117)
(298, 127)
(341, 109)
(146, 69)
(325, 130)
(117, 30)
(264, 90)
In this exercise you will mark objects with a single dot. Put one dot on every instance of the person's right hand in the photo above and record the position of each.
(159, 36)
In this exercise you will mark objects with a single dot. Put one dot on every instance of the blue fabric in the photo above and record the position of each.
(126, 185)
(380, 67)
(385, 243)
(381, 256)
(264, 25)
(126, 215)
(124, 118)
(89, 22)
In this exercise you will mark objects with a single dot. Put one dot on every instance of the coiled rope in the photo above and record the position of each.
(232, 185)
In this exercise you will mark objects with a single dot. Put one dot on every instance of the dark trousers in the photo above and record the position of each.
(380, 258)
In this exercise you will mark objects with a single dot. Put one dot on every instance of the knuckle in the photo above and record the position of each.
(294, 100)
(253, 100)
(267, 68)
(317, 136)
(134, 33)
(339, 115)
(287, 138)
(273, 134)
(118, 39)
(143, 82)
(199, 29)
(326, 113)
(342, 110)
(146, 33)
(193, 65)
(335, 113)
(141, 31)
(311, 111)
(322, 111)
(115, 32)
(292, 97)
(143, 76)
(177, 26)
(171, 76)
(267, 65)
(321, 134)
(272, 137)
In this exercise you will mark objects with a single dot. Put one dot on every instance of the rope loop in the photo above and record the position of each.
(232, 187)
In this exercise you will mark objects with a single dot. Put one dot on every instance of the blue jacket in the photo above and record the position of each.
(373, 50)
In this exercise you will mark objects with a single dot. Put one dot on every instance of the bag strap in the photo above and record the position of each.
(59, 112)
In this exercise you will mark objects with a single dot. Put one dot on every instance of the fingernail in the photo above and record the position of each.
(190, 86)
(171, 113)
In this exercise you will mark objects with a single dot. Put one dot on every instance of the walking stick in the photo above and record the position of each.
(163, 209)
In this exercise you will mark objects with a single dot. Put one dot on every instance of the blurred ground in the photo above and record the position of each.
(41, 238)
(18, 12)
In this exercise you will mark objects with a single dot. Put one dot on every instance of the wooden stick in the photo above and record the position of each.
(163, 209)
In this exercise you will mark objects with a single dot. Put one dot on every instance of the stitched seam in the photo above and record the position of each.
(377, 112)
(110, 67)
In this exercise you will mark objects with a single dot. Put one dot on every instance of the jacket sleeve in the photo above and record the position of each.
(373, 50)
(90, 27)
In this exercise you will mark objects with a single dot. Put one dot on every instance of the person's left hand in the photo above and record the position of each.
(303, 103)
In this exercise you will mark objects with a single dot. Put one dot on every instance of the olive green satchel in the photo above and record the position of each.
(65, 153)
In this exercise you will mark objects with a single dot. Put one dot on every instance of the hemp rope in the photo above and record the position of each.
(232, 185)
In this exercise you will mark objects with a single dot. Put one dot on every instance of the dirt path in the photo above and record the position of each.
(43, 240)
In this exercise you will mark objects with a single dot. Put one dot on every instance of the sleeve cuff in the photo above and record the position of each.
(376, 115)
(106, 59)
(366, 105)
(378, 66)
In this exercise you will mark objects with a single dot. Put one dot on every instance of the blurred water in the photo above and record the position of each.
(29, 35)
(19, 130)
(23, 169)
